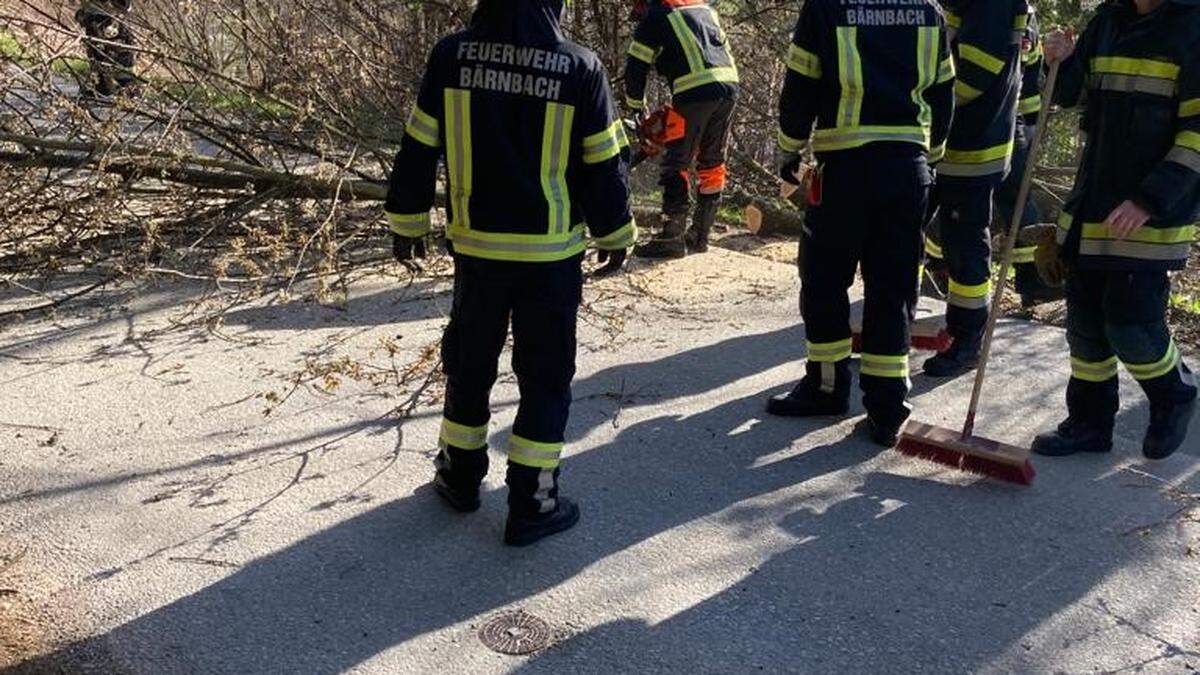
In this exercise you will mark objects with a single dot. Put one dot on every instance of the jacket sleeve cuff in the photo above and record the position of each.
(621, 238)
(408, 224)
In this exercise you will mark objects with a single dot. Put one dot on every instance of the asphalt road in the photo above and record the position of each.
(173, 526)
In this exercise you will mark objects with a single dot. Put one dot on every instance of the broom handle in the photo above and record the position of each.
(1014, 228)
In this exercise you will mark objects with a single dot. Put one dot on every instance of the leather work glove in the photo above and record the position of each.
(407, 250)
(612, 261)
(1048, 256)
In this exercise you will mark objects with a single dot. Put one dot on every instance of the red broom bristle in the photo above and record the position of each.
(1021, 475)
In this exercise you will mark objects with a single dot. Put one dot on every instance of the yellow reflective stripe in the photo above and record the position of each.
(423, 127)
(789, 144)
(687, 41)
(844, 138)
(850, 75)
(518, 247)
(532, 453)
(634, 103)
(933, 248)
(1024, 254)
(830, 352)
(1189, 140)
(458, 154)
(1021, 22)
(927, 59)
(408, 224)
(965, 93)
(878, 365)
(1031, 104)
(603, 146)
(1094, 371)
(938, 153)
(1121, 65)
(1065, 221)
(1190, 108)
(969, 296)
(642, 52)
(1146, 235)
(975, 55)
(946, 71)
(804, 62)
(722, 74)
(953, 20)
(980, 156)
(462, 436)
(556, 148)
(1150, 371)
(623, 237)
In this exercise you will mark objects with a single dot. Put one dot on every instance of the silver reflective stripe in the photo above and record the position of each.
(546, 483)
(554, 149)
(1133, 249)
(946, 168)
(828, 140)
(1185, 156)
(828, 377)
(466, 239)
(964, 302)
(1135, 83)
(458, 153)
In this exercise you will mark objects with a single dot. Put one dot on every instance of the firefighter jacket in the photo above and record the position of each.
(986, 40)
(1138, 80)
(532, 143)
(684, 42)
(865, 72)
(1033, 62)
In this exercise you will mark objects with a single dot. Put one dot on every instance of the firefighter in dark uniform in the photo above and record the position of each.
(684, 42)
(878, 83)
(986, 36)
(534, 149)
(1131, 216)
(111, 60)
(1030, 287)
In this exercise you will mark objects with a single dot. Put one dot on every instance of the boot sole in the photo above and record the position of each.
(526, 537)
(456, 501)
(780, 410)
(1090, 450)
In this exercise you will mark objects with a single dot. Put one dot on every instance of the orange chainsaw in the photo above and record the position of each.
(655, 131)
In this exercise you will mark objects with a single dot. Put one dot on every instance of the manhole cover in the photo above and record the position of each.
(515, 633)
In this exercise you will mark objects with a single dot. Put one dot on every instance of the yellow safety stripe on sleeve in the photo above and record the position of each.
(933, 249)
(850, 75)
(634, 103)
(462, 436)
(1121, 65)
(946, 71)
(1021, 22)
(1150, 371)
(789, 144)
(423, 127)
(975, 55)
(969, 296)
(965, 93)
(1031, 104)
(846, 137)
(556, 150)
(1189, 140)
(1190, 108)
(1186, 150)
(459, 155)
(603, 146)
(804, 62)
(877, 365)
(953, 20)
(1065, 220)
(532, 453)
(642, 52)
(1094, 371)
(937, 153)
(518, 247)
(688, 82)
(623, 237)
(1024, 254)
(409, 224)
(830, 352)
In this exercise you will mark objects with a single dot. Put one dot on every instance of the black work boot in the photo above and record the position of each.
(1073, 436)
(459, 474)
(669, 242)
(1168, 430)
(523, 530)
(807, 400)
(702, 222)
(1033, 290)
(883, 433)
(962, 357)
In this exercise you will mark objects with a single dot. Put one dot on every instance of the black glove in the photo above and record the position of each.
(405, 249)
(789, 166)
(613, 261)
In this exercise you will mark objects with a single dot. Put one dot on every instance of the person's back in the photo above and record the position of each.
(533, 149)
(876, 83)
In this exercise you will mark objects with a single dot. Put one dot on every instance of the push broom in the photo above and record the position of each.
(963, 449)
